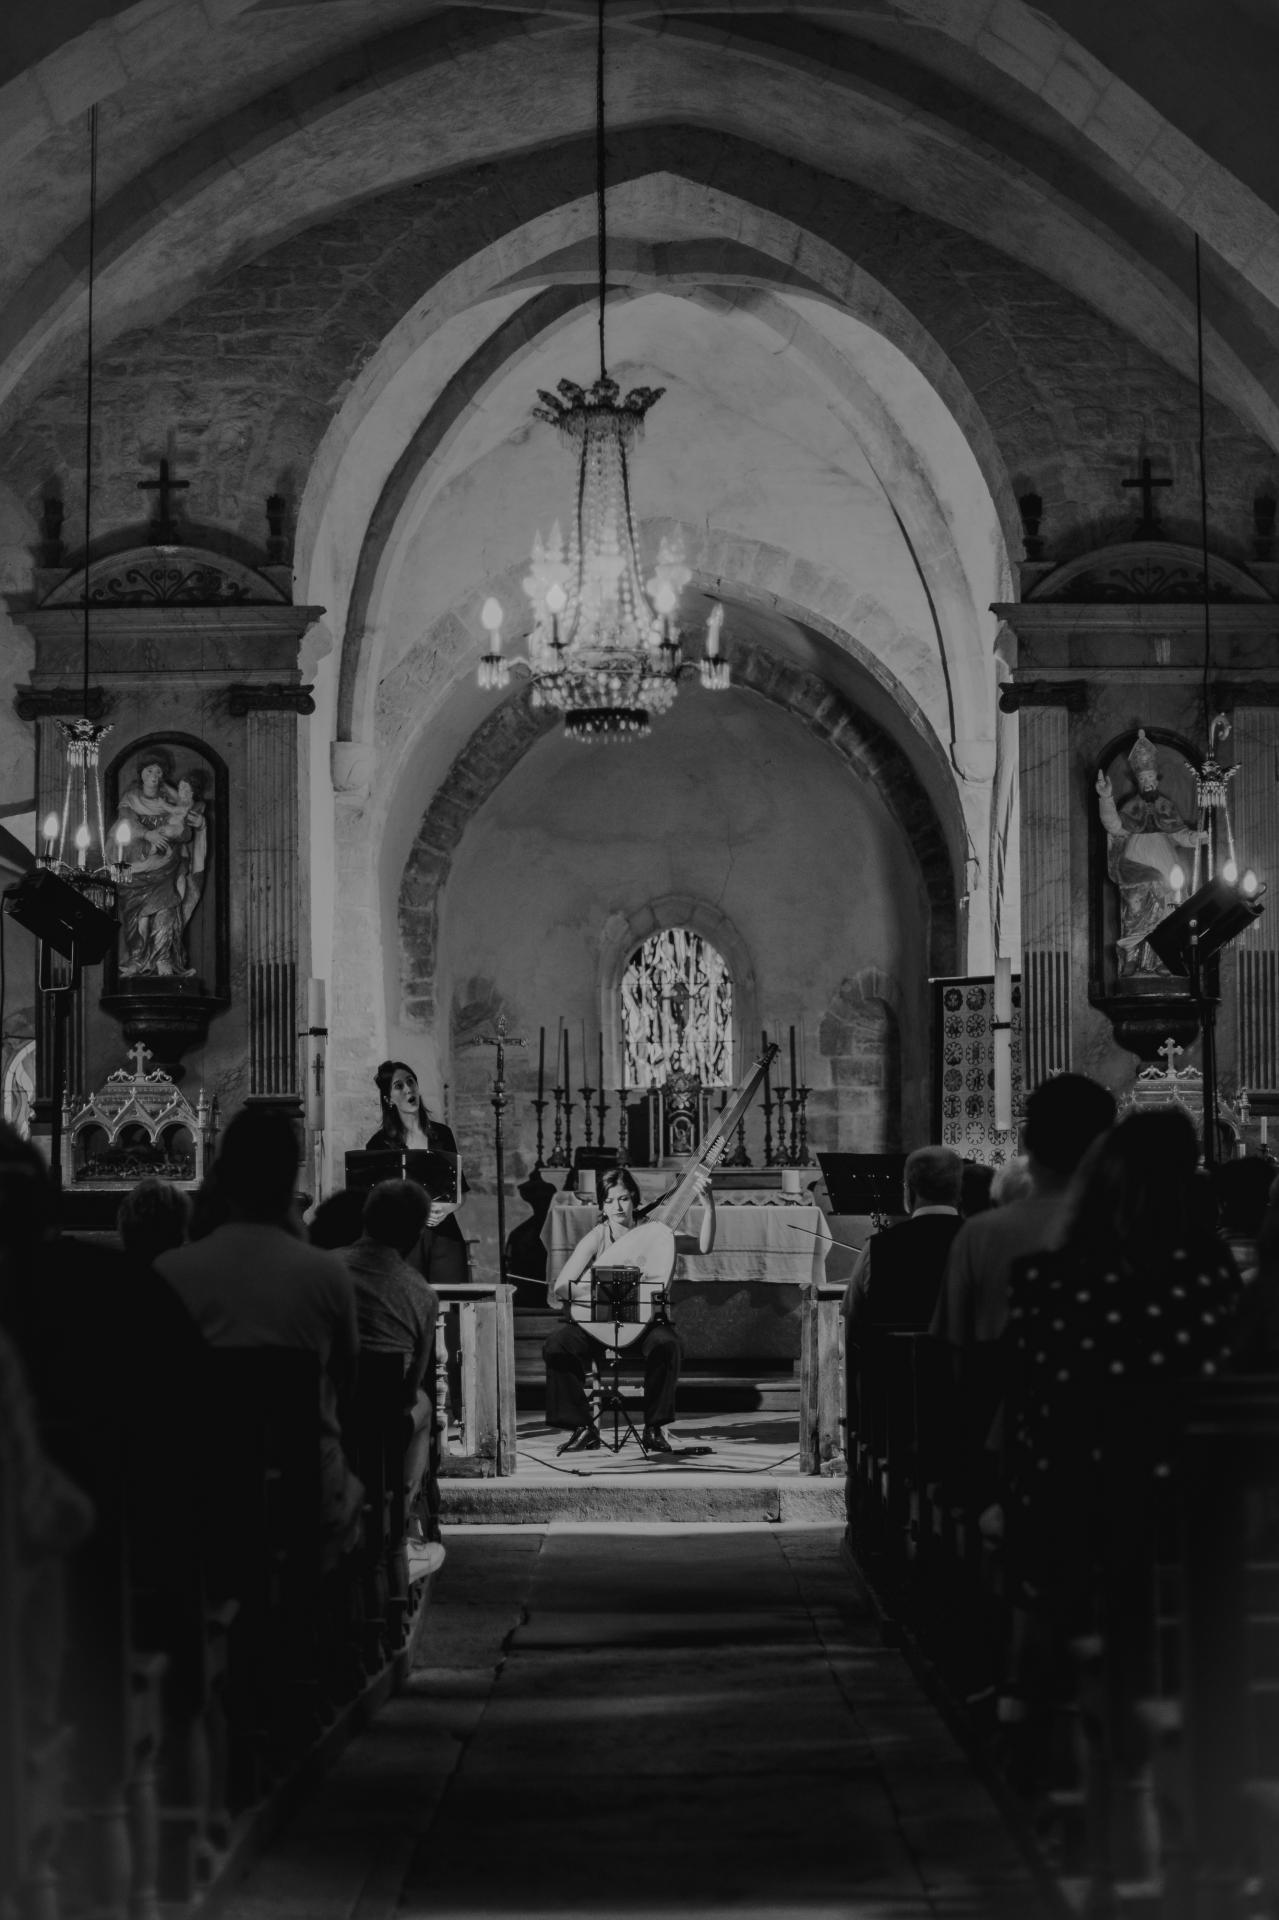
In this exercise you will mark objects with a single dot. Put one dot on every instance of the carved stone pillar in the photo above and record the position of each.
(1046, 918)
(272, 903)
(1256, 818)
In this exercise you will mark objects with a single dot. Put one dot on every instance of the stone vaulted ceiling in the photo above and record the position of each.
(899, 262)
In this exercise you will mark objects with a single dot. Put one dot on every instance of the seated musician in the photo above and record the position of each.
(569, 1348)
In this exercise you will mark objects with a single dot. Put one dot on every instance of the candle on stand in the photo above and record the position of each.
(586, 1071)
(763, 1047)
(803, 1053)
(599, 1078)
(567, 1082)
(559, 1038)
(794, 1080)
(541, 1059)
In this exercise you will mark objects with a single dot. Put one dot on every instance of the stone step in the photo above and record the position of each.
(646, 1494)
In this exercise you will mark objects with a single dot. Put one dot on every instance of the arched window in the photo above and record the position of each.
(677, 1011)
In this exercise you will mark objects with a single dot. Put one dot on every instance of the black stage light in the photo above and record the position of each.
(61, 916)
(1208, 921)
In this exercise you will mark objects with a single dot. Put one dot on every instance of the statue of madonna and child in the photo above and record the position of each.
(166, 853)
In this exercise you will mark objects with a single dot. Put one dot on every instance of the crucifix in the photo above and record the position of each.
(163, 527)
(1147, 527)
(139, 1056)
(1169, 1051)
(501, 1040)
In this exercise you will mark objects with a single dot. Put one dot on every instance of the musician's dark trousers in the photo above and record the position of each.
(569, 1350)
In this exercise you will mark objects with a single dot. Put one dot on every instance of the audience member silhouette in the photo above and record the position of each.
(976, 1193)
(397, 1310)
(1136, 1291)
(338, 1221)
(1064, 1116)
(153, 1218)
(106, 1348)
(253, 1282)
(897, 1276)
(1243, 1194)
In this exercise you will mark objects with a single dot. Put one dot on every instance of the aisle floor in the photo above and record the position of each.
(648, 1721)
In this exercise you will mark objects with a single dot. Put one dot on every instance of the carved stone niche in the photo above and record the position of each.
(170, 971)
(194, 657)
(1153, 795)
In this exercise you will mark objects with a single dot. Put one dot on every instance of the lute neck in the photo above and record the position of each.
(674, 1204)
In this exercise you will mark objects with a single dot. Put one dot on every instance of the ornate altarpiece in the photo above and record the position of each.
(198, 653)
(1099, 647)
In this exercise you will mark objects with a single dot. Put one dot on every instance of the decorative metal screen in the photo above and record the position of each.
(964, 1037)
(677, 1011)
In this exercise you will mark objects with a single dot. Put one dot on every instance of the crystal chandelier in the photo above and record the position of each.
(605, 646)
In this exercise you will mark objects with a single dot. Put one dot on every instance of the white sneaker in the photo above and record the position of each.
(424, 1557)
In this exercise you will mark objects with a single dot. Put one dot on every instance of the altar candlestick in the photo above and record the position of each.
(803, 1052)
(794, 1077)
(568, 1078)
(541, 1060)
(586, 1069)
(599, 1078)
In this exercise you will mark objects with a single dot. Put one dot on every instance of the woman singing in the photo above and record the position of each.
(568, 1349)
(441, 1252)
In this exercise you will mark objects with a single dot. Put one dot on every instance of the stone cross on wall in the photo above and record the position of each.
(1147, 527)
(164, 529)
(139, 1056)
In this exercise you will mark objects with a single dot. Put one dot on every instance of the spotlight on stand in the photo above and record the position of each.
(1193, 933)
(61, 916)
(1201, 926)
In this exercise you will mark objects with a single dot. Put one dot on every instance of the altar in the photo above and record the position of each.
(742, 1300)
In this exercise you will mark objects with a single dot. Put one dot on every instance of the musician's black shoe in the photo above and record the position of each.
(655, 1441)
(582, 1440)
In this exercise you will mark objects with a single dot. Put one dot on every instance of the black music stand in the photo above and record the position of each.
(615, 1301)
(864, 1183)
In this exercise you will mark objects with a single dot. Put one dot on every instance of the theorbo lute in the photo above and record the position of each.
(646, 1254)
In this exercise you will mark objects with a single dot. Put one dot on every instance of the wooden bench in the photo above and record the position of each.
(378, 1429)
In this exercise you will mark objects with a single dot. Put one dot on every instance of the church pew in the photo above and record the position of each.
(266, 1554)
(33, 1757)
(379, 1429)
(111, 1695)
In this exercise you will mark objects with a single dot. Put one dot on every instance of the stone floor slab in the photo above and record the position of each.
(648, 1722)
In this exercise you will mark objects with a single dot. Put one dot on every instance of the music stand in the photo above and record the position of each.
(864, 1183)
(615, 1303)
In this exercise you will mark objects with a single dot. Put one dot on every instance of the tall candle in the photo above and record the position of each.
(541, 1059)
(586, 1072)
(763, 1047)
(600, 1075)
(559, 1040)
(803, 1053)
(568, 1085)
(794, 1082)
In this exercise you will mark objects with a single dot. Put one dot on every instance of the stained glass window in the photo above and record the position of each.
(677, 1011)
